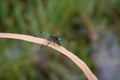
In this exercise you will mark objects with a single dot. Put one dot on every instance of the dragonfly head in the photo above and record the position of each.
(59, 39)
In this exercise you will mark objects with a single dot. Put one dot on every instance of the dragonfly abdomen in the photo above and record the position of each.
(46, 34)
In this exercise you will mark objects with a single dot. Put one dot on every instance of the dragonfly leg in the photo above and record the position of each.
(50, 40)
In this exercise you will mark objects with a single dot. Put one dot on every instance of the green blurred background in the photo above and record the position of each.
(78, 22)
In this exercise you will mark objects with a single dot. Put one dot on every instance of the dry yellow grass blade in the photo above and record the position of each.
(61, 49)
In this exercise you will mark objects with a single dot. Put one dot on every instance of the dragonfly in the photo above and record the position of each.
(52, 38)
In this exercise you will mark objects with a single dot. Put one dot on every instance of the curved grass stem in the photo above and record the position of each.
(61, 49)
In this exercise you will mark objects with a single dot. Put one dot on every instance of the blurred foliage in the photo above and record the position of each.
(71, 19)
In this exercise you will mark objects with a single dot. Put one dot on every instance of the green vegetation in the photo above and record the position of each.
(73, 20)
